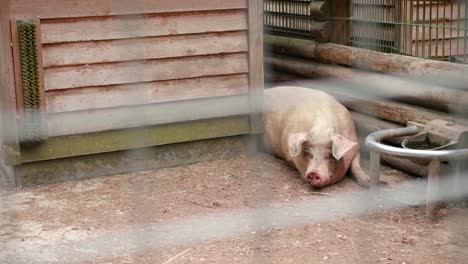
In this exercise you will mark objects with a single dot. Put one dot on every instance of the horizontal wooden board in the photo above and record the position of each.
(144, 71)
(81, 122)
(105, 28)
(143, 48)
(117, 140)
(85, 8)
(145, 93)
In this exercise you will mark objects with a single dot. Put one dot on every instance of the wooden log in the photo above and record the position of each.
(405, 165)
(383, 86)
(307, 68)
(367, 124)
(391, 111)
(274, 78)
(9, 134)
(319, 10)
(361, 58)
(320, 31)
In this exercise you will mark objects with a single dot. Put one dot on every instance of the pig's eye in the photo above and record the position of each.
(308, 155)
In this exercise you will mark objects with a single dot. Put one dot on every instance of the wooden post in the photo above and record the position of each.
(339, 12)
(256, 73)
(9, 136)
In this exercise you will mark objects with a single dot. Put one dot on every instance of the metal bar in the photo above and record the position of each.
(395, 23)
(373, 139)
(374, 169)
(430, 30)
(458, 31)
(443, 32)
(433, 189)
(457, 177)
(417, 27)
(451, 30)
(437, 32)
(465, 31)
(424, 31)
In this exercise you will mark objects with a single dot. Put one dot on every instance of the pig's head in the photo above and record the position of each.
(323, 163)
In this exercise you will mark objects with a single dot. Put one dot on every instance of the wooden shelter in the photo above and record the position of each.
(114, 75)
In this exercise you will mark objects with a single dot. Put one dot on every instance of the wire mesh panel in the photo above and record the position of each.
(429, 29)
(373, 25)
(288, 18)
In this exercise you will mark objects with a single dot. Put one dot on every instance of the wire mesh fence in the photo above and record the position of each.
(288, 18)
(428, 29)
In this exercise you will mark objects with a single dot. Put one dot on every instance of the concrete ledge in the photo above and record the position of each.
(111, 163)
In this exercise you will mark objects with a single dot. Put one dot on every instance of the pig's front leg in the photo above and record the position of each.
(359, 174)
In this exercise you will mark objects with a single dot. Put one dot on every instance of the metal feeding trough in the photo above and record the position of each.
(431, 144)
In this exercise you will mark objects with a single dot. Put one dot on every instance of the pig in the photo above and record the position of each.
(314, 133)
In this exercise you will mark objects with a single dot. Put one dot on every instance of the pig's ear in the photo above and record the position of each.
(341, 146)
(295, 142)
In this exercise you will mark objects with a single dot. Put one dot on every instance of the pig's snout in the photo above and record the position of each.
(314, 179)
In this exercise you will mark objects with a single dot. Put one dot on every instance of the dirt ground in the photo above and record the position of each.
(35, 221)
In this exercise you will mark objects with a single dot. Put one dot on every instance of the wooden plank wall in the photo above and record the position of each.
(114, 59)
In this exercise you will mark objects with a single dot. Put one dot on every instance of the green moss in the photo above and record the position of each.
(109, 141)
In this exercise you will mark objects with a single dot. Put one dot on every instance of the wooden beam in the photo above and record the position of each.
(9, 134)
(17, 73)
(256, 72)
(144, 71)
(86, 8)
(80, 122)
(145, 93)
(105, 51)
(109, 141)
(107, 28)
(339, 12)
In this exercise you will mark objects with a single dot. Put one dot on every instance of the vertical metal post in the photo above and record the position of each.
(457, 178)
(374, 169)
(432, 189)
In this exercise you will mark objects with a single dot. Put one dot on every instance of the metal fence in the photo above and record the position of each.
(288, 18)
(430, 29)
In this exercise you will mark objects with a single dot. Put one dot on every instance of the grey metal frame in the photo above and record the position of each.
(376, 148)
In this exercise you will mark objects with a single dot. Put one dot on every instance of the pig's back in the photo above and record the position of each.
(291, 109)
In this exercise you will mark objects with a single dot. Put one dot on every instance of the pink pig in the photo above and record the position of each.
(314, 132)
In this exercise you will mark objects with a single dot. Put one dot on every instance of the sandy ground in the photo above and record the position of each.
(38, 220)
